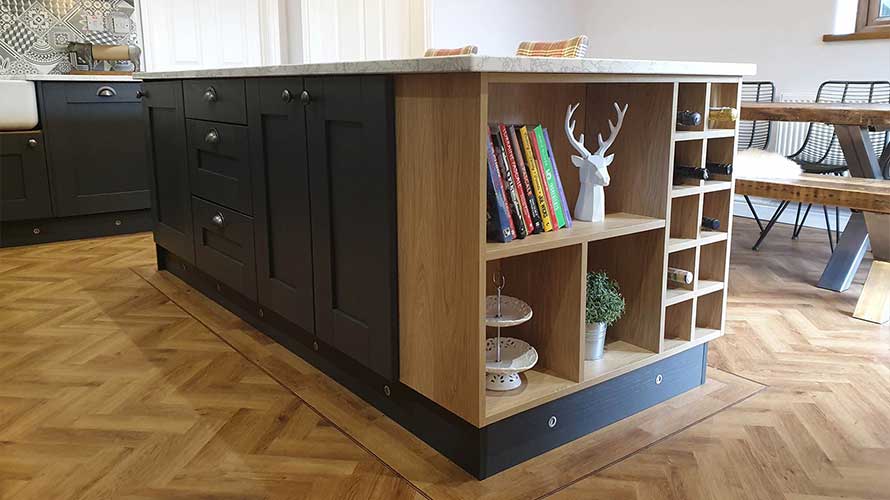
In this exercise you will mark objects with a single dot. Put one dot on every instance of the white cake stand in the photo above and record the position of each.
(506, 357)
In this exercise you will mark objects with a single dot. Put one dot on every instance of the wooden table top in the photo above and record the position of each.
(861, 115)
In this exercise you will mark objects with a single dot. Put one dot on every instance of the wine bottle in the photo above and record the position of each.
(679, 276)
(724, 114)
(683, 172)
(719, 168)
(709, 223)
(688, 118)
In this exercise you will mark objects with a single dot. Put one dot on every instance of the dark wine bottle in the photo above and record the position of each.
(690, 173)
(719, 168)
(689, 118)
(709, 223)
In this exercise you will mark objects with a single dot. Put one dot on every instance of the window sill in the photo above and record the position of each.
(862, 35)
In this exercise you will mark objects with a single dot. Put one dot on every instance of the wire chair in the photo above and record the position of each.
(755, 134)
(821, 152)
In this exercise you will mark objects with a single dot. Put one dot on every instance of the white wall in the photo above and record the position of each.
(784, 38)
(498, 27)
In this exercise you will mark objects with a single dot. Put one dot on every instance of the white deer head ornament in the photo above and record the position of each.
(593, 167)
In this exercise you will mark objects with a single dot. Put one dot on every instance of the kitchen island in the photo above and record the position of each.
(341, 209)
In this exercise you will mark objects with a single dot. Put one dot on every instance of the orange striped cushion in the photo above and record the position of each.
(573, 47)
(469, 49)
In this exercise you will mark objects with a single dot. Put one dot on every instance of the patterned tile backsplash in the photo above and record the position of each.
(34, 33)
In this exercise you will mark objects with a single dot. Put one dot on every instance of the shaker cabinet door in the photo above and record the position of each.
(167, 155)
(95, 147)
(352, 177)
(24, 184)
(281, 199)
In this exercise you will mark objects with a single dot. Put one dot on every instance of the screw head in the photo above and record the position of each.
(551, 422)
(117, 222)
(659, 379)
(386, 390)
(36, 230)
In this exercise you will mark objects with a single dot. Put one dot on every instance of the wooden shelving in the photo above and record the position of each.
(651, 224)
(617, 224)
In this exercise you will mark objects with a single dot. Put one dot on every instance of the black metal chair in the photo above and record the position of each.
(756, 134)
(821, 153)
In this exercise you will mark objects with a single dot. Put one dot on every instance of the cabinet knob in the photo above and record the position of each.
(212, 137)
(32, 143)
(218, 220)
(140, 94)
(305, 98)
(210, 95)
(286, 96)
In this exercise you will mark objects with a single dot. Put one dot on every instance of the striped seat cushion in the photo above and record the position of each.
(573, 47)
(469, 49)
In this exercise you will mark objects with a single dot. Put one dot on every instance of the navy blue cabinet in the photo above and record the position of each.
(24, 183)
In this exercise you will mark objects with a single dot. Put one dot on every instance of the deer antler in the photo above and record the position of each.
(613, 131)
(570, 132)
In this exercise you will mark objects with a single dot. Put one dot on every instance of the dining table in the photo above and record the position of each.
(853, 123)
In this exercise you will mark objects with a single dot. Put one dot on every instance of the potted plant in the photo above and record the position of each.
(605, 306)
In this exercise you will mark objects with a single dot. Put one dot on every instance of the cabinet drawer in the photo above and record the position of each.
(219, 164)
(99, 92)
(224, 246)
(215, 100)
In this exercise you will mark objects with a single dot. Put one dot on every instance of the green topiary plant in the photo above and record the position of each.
(604, 301)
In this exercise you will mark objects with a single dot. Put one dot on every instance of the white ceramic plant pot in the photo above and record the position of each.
(594, 341)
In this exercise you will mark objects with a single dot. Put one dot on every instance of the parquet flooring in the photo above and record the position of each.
(117, 381)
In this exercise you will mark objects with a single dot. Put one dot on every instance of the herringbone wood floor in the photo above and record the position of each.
(119, 382)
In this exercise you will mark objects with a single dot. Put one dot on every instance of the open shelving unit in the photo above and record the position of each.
(650, 224)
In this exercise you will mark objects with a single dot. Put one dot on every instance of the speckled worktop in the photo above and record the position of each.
(472, 64)
(70, 78)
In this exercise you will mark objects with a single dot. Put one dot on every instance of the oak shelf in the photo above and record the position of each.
(709, 186)
(705, 238)
(617, 224)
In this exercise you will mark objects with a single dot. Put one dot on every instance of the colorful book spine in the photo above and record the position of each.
(505, 221)
(510, 186)
(562, 193)
(551, 179)
(536, 150)
(537, 184)
(527, 188)
(517, 179)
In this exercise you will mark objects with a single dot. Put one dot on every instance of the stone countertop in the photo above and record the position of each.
(472, 64)
(70, 78)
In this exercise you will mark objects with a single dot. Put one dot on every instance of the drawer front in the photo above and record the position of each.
(215, 100)
(219, 164)
(224, 246)
(585, 411)
(99, 92)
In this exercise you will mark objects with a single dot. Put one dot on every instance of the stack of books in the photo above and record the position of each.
(525, 194)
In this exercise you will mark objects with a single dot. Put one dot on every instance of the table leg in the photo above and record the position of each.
(874, 303)
(845, 260)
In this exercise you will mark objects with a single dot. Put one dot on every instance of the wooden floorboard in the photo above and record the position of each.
(117, 381)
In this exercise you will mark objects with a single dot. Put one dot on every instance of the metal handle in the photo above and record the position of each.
(286, 96)
(140, 94)
(212, 137)
(210, 94)
(218, 220)
(305, 98)
(106, 91)
(32, 143)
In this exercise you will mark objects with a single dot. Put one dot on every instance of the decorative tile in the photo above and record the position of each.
(38, 19)
(18, 37)
(34, 34)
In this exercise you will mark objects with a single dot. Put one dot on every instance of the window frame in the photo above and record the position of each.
(867, 19)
